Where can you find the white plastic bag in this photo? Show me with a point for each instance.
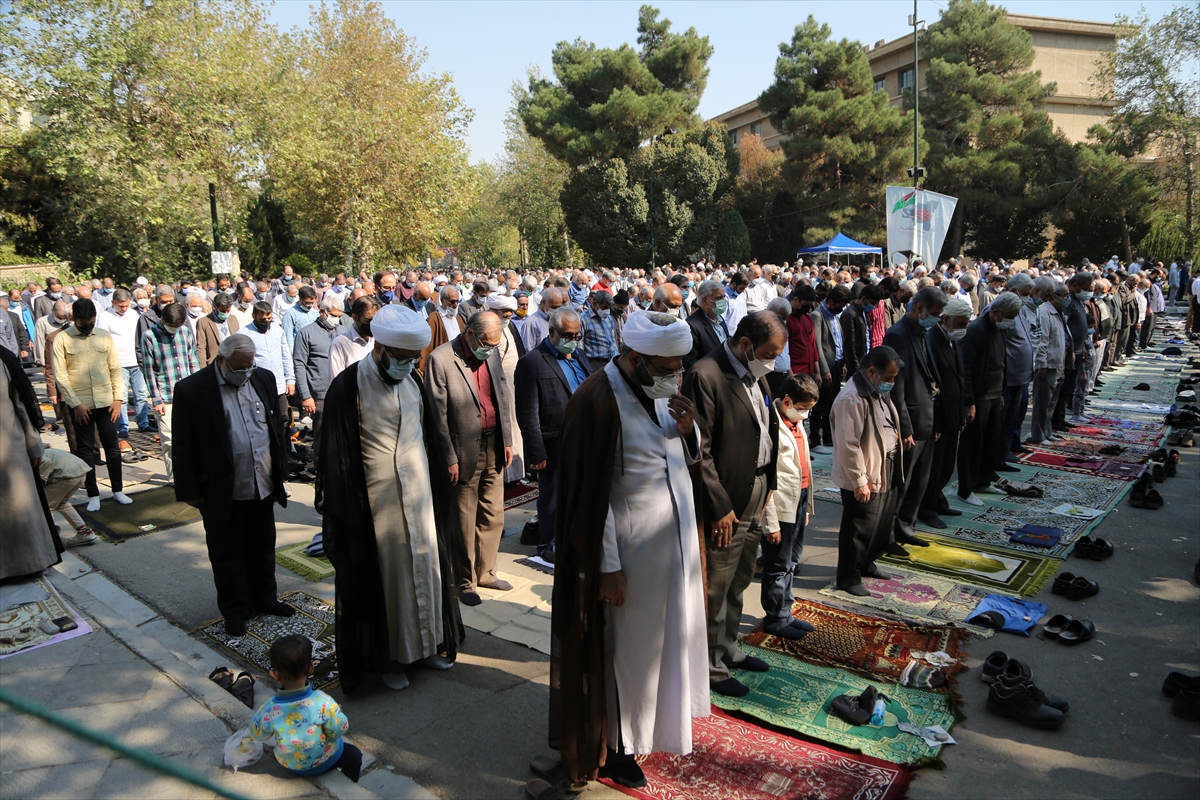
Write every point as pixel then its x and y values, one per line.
pixel 241 750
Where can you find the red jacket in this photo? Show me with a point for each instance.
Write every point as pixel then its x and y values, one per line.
pixel 802 344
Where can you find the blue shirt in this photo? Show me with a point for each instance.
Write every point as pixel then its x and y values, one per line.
pixel 599 339
pixel 295 319
pixel 571 368
pixel 836 327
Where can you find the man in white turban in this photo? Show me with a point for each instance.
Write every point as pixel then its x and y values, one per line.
pixel 387 516
pixel 511 349
pixel 628 655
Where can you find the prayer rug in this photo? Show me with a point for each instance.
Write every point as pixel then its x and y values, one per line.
pixel 1080 490
pixel 1127 424
pixel 1081 446
pixel 1085 465
pixel 314 619
pixel 875 648
pixel 519 493
pixel 734 760
pixel 919 597
pixel 20 626
pixel 152 511
pixel 1122 436
pixel 796 696
pixel 994 568
pixel 314 568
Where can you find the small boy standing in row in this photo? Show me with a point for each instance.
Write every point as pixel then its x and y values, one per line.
pixel 308 725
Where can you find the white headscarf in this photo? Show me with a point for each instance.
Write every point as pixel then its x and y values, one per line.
pixel 498 302
pixel 400 327
pixel 644 336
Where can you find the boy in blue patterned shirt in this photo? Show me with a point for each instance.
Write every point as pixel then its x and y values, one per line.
pixel 308 725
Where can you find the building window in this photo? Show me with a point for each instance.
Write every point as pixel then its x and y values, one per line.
pixel 733 137
pixel 906 79
pixel 881 84
pixel 756 128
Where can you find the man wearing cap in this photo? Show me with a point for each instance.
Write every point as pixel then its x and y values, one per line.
pixel 511 349
pixel 628 661
pixel 472 432
pixel 392 545
pixel 740 440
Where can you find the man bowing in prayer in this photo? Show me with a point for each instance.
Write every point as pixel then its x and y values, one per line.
pixel 628 663
pixel 389 524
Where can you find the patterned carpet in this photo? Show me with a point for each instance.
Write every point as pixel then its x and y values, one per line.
pixel 992 568
pixel 919 597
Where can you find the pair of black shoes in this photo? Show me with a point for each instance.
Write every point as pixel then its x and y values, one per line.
pixel 236 625
pixel 1016 696
pixel 1185 689
pixel 1075 587
pixel 1094 549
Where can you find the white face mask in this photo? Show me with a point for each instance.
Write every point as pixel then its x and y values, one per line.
pixel 795 415
pixel 957 336
pixel 760 368
pixel 143 303
pixel 663 386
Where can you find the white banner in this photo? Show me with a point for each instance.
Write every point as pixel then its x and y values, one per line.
pixel 225 262
pixel 917 222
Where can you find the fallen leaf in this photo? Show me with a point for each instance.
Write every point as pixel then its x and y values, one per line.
pixel 1133 674
pixel 1098 658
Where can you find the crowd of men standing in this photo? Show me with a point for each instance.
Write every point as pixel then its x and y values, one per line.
pixel 662 413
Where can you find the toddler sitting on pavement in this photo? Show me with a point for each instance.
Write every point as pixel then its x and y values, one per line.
pixel 308 725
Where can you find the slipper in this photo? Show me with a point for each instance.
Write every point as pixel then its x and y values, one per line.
pixel 1056 625
pixel 548 768
pixel 222 676
pixel 1154 500
pixel 1079 630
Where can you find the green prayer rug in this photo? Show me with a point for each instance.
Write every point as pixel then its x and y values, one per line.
pixel 151 511
pixel 314 568
pixel 994 568
pixel 796 695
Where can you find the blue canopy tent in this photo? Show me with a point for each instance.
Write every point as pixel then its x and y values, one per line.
pixel 843 245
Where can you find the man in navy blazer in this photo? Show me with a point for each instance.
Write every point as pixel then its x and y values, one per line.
pixel 545 379
pixel 916 386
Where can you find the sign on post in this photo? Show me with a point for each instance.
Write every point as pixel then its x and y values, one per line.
pixel 225 262
pixel 917 222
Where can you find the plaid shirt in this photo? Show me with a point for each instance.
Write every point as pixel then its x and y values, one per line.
pixel 599 339
pixel 166 360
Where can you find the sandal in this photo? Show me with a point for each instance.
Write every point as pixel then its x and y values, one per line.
pixel 1154 501
pixel 1079 630
pixel 243 689
pixel 222 676
pixel 1056 625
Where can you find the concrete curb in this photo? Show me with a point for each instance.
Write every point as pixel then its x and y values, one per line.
pixel 188 662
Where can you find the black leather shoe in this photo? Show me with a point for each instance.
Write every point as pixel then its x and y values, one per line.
pixel 235 626
pixel 1081 587
pixel 1186 705
pixel 1177 681
pixel 1017 699
pixel 1061 582
pixel 275 608
pixel 895 550
pixel 950 512
pixel 905 538
pixel 623 769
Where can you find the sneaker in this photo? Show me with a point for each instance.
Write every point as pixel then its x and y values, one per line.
pixel 823 449
pixel 82 539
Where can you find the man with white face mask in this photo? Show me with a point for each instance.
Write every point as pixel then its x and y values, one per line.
pixel 740 440
pixel 949 413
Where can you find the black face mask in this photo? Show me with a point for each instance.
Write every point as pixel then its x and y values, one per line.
pixel 86 329
pixel 263 327
pixel 363 328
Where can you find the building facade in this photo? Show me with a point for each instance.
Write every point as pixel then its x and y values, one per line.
pixel 1065 51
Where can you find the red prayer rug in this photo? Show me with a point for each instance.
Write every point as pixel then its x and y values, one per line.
pixel 734 760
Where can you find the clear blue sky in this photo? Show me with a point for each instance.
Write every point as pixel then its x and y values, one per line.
pixel 488 45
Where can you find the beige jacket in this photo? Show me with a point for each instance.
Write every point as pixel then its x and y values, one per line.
pixel 785 500
pixel 87 369
pixel 859 447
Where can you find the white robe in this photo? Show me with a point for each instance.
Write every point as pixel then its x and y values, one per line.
pixel 657 639
pixel 508 358
pixel 398 489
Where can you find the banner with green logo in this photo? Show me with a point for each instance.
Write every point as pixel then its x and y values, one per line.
pixel 917 222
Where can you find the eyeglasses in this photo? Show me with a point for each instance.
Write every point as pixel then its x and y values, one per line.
pixel 569 337
pixel 451 303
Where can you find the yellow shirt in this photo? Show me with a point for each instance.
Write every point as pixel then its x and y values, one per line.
pixel 88 369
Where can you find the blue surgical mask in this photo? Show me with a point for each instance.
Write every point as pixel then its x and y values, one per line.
pixel 419 305
pixel 928 321
pixel 388 296
pixel 884 388
pixel 400 368
pixel 1085 295
pixel 869 307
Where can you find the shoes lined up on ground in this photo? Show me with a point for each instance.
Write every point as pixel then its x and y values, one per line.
pixel 1018 698
pixel 1185 689
pixel 1075 587
pixel 1068 630
pixel 1094 549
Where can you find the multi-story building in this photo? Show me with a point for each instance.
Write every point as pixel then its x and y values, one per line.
pixel 1065 51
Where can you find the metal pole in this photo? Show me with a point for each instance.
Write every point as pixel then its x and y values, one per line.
pixel 212 207
pixel 916 102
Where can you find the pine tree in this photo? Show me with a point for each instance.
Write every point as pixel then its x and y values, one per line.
pixel 845 141
pixel 733 240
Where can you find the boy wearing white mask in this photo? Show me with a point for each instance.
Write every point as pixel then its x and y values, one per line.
pixel 788 510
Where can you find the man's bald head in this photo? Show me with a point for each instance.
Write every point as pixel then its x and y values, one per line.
pixel 552 298
pixel 667 299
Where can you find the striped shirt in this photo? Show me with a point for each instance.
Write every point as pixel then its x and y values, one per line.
pixel 166 360
pixel 599 338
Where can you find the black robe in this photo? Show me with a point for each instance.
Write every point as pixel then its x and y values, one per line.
pixel 349 536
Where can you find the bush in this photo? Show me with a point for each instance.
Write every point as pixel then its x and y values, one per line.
pixel 301 265
pixel 733 239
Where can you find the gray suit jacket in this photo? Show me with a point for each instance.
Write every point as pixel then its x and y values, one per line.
pixel 457 428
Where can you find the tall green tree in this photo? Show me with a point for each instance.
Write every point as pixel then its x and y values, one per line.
pixel 484 232
pixel 1152 75
pixel 772 217
pixel 845 141
pixel 733 239
pixel 367 148
pixel 991 144
pixel 646 177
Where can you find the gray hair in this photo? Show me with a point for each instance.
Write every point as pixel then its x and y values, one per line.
pixel 932 298
pixel 1045 286
pixel 164 290
pixel 948 286
pixel 708 287
pixel 328 302
pixel 444 292
pixel 560 315
pixel 1007 303
pixel 780 306
pixel 121 295
pixel 908 286
pixel 237 343
pixel 1018 281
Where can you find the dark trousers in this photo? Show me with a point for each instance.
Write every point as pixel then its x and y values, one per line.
pixel 241 549
pixel 818 424
pixel 85 448
pixel 779 565
pixel 1065 395
pixel 284 413
pixel 976 450
pixel 349 762
pixel 316 428
pixel 1016 405
pixel 1122 343
pixel 941 469
pixel 917 463
pixel 547 498
pixel 864 532
pixel 1147 330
